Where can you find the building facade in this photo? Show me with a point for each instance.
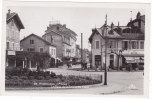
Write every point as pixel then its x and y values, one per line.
pixel 63 38
pixel 34 43
pixel 13 27
pixel 121 43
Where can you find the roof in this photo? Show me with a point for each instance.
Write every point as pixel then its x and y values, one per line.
pixel 66 43
pixel 14 16
pixel 115 35
pixel 133 36
pixel 48 43
pixel 63 29
pixel 142 18
pixel 102 31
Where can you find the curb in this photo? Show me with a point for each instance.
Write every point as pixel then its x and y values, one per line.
pixel 54 88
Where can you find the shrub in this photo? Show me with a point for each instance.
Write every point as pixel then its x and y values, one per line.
pixel 53 74
pixel 31 77
pixel 7 77
pixel 24 77
pixel 88 78
pixel 14 77
pixel 47 77
pixel 40 77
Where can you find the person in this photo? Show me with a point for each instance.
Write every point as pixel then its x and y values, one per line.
pixel 68 64
pixel 88 66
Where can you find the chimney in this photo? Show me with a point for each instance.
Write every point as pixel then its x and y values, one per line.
pixel 93 30
pixel 118 23
pixel 9 12
pixel 64 25
pixel 138 15
pixel 112 26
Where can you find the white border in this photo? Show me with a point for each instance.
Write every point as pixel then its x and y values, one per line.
pixel 78 4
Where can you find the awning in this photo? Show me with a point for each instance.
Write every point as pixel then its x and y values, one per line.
pixel 134 59
pixel 133 53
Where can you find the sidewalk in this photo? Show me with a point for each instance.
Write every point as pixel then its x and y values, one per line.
pixel 90 89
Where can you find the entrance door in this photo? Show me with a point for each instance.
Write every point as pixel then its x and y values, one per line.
pixel 111 61
pixel 97 60
pixel 126 45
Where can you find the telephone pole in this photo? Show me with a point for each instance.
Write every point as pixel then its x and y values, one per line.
pixel 81 49
pixel 105 73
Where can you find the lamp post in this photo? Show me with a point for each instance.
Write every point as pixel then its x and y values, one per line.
pixel 105 73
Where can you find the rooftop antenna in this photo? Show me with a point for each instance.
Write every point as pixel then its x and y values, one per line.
pixel 118 23
pixel 131 15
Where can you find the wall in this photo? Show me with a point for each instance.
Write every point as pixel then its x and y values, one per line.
pixel 73 47
pixel 115 49
pixel 13 36
pixel 37 44
pixel 57 41
pixel 94 50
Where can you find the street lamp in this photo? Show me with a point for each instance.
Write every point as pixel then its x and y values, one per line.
pixel 105 73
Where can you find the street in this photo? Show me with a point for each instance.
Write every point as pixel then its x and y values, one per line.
pixel 122 83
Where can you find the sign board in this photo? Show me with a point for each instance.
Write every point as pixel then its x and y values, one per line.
pixel 11 53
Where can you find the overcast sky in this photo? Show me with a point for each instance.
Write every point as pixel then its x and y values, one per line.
pixel 80 20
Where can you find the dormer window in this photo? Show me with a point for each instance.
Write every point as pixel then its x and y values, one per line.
pixel 111 32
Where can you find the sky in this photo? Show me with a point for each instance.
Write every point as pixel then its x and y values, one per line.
pixel 80 20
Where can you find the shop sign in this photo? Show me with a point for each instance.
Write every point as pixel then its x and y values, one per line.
pixel 11 53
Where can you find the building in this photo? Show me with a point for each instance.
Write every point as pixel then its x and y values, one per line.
pixel 63 38
pixel 78 53
pixel 34 43
pixel 13 27
pixel 124 43
pixel 86 55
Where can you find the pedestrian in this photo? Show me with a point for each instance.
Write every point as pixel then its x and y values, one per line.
pixel 68 64
pixel 88 66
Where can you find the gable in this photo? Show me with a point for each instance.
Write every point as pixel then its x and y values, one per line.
pixel 94 33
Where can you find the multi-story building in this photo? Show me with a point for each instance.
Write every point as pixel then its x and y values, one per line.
pixel 13 27
pixel 121 42
pixel 63 38
pixel 78 53
pixel 34 43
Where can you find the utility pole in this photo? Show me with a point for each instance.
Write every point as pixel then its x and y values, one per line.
pixel 105 73
pixel 81 49
pixel 101 54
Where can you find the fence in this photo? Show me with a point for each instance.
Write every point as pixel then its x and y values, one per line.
pixel 82 74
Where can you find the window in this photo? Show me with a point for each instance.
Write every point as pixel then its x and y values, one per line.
pixel 134 45
pixel 142 45
pixel 97 44
pixel 41 49
pixel 137 45
pixel 31 49
pixel 54 51
pixel 125 45
pixel 7 45
pixel 31 41
pixel 51 51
